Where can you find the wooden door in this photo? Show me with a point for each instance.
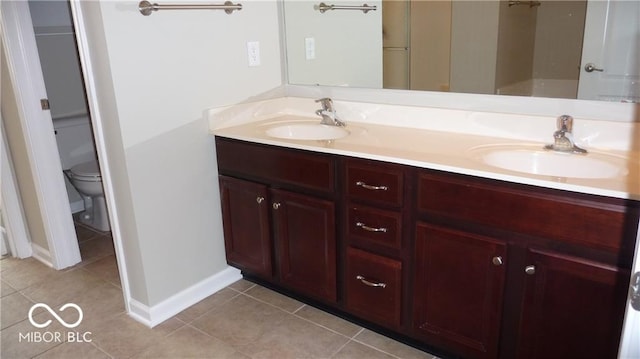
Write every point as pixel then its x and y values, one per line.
pixel 458 290
pixel 306 240
pixel 572 308
pixel 245 218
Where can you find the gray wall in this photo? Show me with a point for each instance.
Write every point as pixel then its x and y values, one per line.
pixel 155 76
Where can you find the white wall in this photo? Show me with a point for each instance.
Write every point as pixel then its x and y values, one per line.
pixel 348 44
pixel 474 41
pixel 155 76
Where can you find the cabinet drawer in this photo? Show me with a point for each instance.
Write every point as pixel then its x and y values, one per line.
pixel 374 287
pixel 380 183
pixel 275 165
pixel 593 221
pixel 374 226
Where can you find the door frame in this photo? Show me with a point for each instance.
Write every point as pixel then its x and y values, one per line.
pixel 13 219
pixel 25 72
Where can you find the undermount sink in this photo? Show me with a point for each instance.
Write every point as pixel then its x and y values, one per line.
pixel 536 160
pixel 307 131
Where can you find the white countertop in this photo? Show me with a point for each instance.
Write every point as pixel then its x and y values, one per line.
pixel 424 147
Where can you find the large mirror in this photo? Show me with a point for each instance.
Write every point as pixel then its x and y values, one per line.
pixel 550 48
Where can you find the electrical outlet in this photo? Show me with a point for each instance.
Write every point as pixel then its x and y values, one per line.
pixel 253 53
pixel 310 48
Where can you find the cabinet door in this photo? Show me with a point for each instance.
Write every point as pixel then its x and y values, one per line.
pixel 245 218
pixel 306 241
pixel 459 283
pixel 573 308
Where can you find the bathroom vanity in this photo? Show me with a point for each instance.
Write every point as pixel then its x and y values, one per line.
pixel 461 264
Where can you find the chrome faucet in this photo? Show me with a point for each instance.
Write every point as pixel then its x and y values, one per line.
pixel 563 137
pixel 328 113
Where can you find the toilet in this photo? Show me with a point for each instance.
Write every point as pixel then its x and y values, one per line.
pixel 86 179
pixel 82 171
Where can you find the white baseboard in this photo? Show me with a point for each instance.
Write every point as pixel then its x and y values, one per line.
pixel 42 254
pixel 152 316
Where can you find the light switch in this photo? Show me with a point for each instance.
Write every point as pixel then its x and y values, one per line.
pixel 310 48
pixel 253 53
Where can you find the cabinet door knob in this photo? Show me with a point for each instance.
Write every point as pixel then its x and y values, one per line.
pixel 530 270
pixel 497 261
pixel 276 205
pixel 374 188
pixel 370 284
pixel 259 199
pixel 370 229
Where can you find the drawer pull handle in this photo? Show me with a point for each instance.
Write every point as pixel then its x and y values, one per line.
pixel 371 229
pixel 374 188
pixel 370 284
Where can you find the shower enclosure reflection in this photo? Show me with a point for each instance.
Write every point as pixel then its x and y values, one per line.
pixel 497 47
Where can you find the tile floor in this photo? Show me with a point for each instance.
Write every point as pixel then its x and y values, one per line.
pixel 243 320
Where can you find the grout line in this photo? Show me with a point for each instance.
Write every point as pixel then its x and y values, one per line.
pixel 207 311
pixel 339 349
pixel 358 333
pixel 299 309
pixel 378 349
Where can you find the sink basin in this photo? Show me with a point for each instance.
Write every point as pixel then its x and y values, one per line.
pixel 307 131
pixel 535 160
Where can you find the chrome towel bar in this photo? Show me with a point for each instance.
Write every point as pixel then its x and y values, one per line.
pixel 146 8
pixel 322 7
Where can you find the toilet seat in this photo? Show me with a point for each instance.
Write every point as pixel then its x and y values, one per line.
pixel 86 171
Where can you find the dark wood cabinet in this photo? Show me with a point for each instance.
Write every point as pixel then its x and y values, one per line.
pixel 565 278
pixel 458 290
pixel 473 267
pixel 247 234
pixel 279 216
pixel 572 307
pixel 306 243
pixel 373 287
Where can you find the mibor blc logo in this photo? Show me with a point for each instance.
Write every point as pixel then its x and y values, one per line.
pixel 55 336
pixel 55 315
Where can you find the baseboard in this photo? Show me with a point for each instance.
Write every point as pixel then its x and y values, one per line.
pixel 41 254
pixel 152 316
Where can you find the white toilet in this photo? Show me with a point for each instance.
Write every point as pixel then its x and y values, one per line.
pixel 80 165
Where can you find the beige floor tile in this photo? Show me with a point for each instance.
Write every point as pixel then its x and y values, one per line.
pixel 7 263
pixel 123 337
pixel 74 350
pixel 295 338
pixel 96 248
pixel 19 341
pixel 390 346
pixel 105 268
pixel 329 321
pixel 100 303
pixel 84 234
pixel 240 321
pixel 6 289
pixel 242 285
pixel 188 342
pixel 65 288
pixel 23 273
pixel 355 350
pixel 14 309
pixel 211 302
pixel 274 298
